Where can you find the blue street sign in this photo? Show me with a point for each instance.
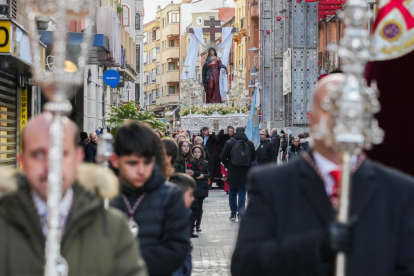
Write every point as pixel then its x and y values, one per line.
pixel 111 78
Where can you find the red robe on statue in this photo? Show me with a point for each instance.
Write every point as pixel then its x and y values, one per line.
pixel 213 86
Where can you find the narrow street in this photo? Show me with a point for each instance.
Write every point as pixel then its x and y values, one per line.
pixel 213 249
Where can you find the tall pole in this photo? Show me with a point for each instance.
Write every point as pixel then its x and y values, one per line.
pixel 352 106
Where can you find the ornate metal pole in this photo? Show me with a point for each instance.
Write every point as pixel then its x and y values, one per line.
pixel 58 87
pixel 352 106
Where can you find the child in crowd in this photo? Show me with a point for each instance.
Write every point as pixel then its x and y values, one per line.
pixel 187 186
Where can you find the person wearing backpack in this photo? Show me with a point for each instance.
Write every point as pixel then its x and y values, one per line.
pixel 237 155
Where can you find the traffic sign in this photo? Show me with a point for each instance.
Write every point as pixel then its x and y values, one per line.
pixel 111 78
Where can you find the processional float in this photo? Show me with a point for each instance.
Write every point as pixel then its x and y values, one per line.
pixel 58 87
pixel 352 106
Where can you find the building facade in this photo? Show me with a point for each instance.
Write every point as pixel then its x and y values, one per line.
pixel 20 98
pixel 161 63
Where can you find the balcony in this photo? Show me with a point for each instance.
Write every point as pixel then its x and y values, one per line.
pixel 172 76
pixel 172 29
pixel 171 53
pixel 169 99
pixel 253 11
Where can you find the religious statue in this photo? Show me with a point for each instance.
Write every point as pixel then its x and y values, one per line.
pixel 211 76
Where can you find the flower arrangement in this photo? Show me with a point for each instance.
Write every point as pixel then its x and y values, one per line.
pixel 209 110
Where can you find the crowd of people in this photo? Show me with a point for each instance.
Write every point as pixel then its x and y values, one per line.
pixel 157 186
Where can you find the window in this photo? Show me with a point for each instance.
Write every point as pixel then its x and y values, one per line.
pixel 158 68
pixel 154 75
pixel 163 68
pixel 171 90
pixel 137 93
pixel 145 37
pixel 154 53
pixel 154 96
pixel 173 17
pixel 162 91
pixel 171 43
pixel 137 21
pixel 154 35
pixel 163 22
pixel 125 15
pixel 145 58
pixel 171 66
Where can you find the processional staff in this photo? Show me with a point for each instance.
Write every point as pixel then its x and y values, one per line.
pixel 352 106
pixel 58 86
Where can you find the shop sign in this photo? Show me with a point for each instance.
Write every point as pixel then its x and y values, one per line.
pixel 111 78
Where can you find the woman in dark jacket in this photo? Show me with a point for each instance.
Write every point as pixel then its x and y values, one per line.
pixel 184 157
pixel 201 175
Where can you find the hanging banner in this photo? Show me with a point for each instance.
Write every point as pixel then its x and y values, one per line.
pixel 287 72
pixel 393 30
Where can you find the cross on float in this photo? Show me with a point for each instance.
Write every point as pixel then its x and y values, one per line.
pixel 212 23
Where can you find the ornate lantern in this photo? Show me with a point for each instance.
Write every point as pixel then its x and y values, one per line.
pixel 57 86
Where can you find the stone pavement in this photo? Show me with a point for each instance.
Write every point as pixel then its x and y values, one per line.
pixel 213 249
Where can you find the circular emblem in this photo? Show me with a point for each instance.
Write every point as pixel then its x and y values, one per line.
pixel 391 31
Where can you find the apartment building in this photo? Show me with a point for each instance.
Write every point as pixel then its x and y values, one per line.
pixel 240 37
pixel 161 62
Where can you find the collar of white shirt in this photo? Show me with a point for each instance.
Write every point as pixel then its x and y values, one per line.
pixel 41 207
pixel 326 166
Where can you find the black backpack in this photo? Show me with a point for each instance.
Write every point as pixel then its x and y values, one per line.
pixel 240 154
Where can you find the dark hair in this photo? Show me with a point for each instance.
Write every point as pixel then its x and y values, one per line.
pixel 230 127
pixel 336 71
pixel 215 52
pixel 240 130
pixel 159 133
pixel 183 181
pixel 202 152
pixel 180 152
pixel 171 148
pixel 306 134
pixel 140 139
pixel 83 135
pixel 282 132
pixel 205 128
pixel 301 136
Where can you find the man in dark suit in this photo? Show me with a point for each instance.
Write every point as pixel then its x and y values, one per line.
pixel 274 144
pixel 290 228
pixel 210 140
pixel 91 148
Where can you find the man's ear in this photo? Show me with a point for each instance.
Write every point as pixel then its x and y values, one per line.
pixel 114 161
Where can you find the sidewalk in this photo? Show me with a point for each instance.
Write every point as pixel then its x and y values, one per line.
pixel 213 249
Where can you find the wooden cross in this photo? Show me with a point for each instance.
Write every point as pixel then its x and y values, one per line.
pixel 213 29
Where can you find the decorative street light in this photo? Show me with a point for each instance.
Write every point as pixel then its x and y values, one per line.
pixel 238 96
pixel 191 92
pixel 57 85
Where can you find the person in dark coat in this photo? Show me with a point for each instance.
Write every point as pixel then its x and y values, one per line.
pixel 274 145
pixel 237 174
pixel 290 226
pixel 303 142
pixel 201 175
pixel 91 148
pixel 156 206
pixel 83 140
pixel 210 140
pixel 294 150
pixel 184 157
pixel 95 240
pixel 264 151
pixel 198 141
pixel 171 149
pixel 223 137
